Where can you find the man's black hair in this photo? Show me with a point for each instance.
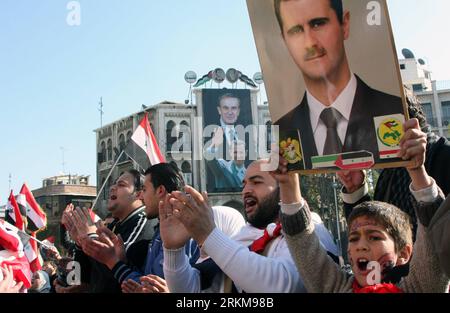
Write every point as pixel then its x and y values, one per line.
pixel 167 175
pixel 138 179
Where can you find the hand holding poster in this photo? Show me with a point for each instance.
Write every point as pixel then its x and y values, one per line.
pixel 333 81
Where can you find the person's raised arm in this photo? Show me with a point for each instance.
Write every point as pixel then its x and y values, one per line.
pixel 317 270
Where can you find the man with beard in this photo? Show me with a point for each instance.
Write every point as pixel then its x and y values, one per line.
pixel 256 259
pixel 132 230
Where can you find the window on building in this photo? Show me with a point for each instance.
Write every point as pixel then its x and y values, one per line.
pixel 186 167
pixel 417 87
pixel 102 154
pixel 428 110
pixel 121 142
pixel 185 135
pixel 269 135
pixel 187 172
pixel 109 149
pixel 122 145
pixel 402 66
pixel 446 110
pixel 169 139
pixel 129 134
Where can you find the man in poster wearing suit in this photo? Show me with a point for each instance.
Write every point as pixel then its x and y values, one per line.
pixel 336 113
pixel 227 167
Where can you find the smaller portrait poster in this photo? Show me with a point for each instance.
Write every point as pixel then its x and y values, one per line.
pixel 226 115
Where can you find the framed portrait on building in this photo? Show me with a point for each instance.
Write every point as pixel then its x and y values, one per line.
pixel 333 82
pixel 227 113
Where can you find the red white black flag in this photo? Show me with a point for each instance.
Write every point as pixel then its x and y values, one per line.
pixel 9 239
pixel 19 265
pixel 33 255
pixel 143 147
pixel 36 217
pixel 14 215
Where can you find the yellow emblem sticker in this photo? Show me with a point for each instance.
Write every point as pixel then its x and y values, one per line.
pixel 390 132
pixel 290 149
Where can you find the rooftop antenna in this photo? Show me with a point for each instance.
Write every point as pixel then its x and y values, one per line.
pixel 63 160
pixel 9 179
pixel 100 109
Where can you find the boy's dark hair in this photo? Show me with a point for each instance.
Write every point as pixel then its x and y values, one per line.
pixel 396 222
pixel 336 5
pixel 166 175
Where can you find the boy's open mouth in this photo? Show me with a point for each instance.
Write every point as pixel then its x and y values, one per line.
pixel 362 264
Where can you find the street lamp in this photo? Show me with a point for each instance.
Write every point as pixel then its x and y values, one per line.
pixel 338 228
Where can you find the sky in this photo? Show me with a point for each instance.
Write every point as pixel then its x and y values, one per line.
pixel 130 53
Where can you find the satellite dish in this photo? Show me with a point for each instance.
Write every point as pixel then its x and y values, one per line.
pixel 258 78
pixel 408 54
pixel 232 75
pixel 219 75
pixel 190 77
pixel 421 62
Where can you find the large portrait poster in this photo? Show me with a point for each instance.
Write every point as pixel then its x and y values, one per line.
pixel 333 81
pixel 226 115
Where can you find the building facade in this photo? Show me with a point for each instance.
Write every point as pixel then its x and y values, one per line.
pixel 434 95
pixel 171 122
pixel 56 193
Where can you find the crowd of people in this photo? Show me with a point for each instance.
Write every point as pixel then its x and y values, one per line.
pixel 164 236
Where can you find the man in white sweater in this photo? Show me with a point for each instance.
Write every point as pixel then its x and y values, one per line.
pixel 266 267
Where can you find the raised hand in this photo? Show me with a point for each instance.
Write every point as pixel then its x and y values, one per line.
pixel 7 283
pixel 217 138
pixel 69 208
pixel 194 211
pixel 107 236
pixel 413 147
pixel 153 284
pixel 352 180
pixel 289 183
pixel 71 227
pixel 83 222
pixel 130 286
pixel 413 144
pixel 102 251
pixel 173 233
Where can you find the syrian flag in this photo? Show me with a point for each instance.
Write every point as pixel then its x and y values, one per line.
pixel 36 217
pixel 344 161
pixel 9 239
pixel 13 213
pixel 143 148
pixel 32 254
pixel 19 265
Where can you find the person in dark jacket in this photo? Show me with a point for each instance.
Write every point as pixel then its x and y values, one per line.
pixel 130 224
pixel 393 183
pixel 160 180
